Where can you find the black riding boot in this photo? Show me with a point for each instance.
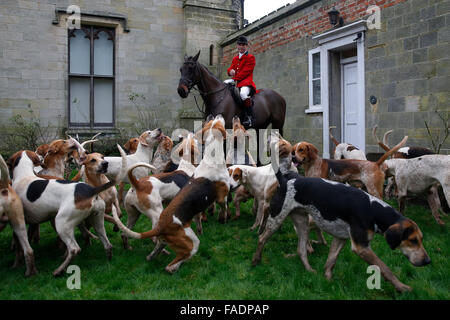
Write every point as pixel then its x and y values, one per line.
pixel 248 113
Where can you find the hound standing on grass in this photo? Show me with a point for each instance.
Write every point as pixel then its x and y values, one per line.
pixel 11 206
pixel 68 202
pixel 211 184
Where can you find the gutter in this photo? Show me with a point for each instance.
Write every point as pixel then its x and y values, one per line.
pixel 267 20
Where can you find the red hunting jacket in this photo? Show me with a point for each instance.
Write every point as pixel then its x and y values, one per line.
pixel 244 70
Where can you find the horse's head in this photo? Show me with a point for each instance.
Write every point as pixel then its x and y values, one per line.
pixel 189 75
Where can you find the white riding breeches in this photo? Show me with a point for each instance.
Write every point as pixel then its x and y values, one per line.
pixel 244 92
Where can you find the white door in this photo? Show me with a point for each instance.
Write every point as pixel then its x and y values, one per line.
pixel 350 109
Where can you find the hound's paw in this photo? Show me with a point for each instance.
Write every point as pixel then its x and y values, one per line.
pixel 403 288
pixel 256 261
pixel 30 273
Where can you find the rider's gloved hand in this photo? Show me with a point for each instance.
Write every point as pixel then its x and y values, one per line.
pixel 228 81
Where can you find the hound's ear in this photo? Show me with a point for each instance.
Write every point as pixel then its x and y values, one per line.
pixel 34 157
pixel 142 139
pixel 223 132
pixel 209 118
pixel 312 151
pixel 53 149
pixel 127 147
pixel 394 235
pixel 244 175
pixel 196 56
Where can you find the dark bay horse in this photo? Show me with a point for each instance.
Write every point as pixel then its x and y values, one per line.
pixel 269 107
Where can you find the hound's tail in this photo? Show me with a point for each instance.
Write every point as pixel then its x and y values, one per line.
pixel 130 233
pixel 383 144
pixel 392 151
pixel 132 178
pixel 385 137
pixel 4 179
pixel 119 176
pixel 333 138
pixel 276 168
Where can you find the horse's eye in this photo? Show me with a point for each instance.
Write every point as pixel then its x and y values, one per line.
pixel 301 150
pixel 93 160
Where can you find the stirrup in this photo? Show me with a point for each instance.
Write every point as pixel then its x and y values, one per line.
pixel 247 122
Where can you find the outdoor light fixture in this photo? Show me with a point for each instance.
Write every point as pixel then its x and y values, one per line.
pixel 335 19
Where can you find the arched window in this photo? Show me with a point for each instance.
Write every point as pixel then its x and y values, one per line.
pixel 211 55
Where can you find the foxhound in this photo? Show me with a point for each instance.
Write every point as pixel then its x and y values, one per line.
pixel 237 154
pixel 92 171
pixel 148 194
pixel 11 207
pixel 347 170
pixel 67 202
pixel 144 153
pixel 345 150
pixel 162 154
pixel 55 159
pixel 421 175
pixel 345 213
pixel 210 183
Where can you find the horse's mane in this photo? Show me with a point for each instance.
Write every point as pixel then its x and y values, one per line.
pixel 191 59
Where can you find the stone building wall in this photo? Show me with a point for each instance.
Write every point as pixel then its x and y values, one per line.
pixel 34 54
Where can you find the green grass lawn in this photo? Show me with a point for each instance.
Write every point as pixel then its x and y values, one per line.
pixel 222 267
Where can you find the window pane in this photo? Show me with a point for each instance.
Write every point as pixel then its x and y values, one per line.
pixel 79 53
pixel 103 101
pixel 103 54
pixel 316 65
pixel 79 100
pixel 316 92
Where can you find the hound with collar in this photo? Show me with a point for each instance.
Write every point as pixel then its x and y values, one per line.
pixel 421 175
pixel 346 213
pixel 11 207
pixel 200 192
pixel 345 150
pixel 371 174
pixel 67 202
pixel 147 195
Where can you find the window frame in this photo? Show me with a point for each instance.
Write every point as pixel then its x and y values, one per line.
pixel 314 108
pixel 92 77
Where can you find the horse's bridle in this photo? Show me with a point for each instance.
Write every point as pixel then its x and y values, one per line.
pixel 191 84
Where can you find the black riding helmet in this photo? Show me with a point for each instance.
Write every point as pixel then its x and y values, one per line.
pixel 242 40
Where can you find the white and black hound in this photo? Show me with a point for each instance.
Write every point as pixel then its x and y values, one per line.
pixel 346 213
pixel 67 202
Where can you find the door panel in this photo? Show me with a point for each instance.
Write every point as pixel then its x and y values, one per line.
pixel 351 125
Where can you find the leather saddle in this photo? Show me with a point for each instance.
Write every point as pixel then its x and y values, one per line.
pixel 234 90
